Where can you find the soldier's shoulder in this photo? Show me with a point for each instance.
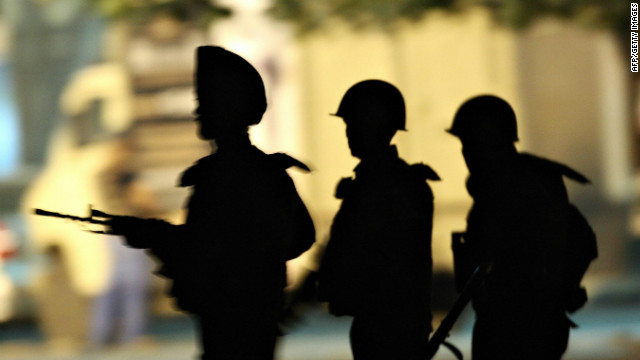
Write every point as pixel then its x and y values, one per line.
pixel 422 172
pixel 344 187
pixel 416 184
pixel 272 172
pixel 195 172
pixel 545 166
pixel 282 161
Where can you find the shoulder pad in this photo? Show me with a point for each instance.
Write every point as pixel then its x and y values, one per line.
pixel 284 161
pixel 191 175
pixel 424 172
pixel 557 167
pixel 344 188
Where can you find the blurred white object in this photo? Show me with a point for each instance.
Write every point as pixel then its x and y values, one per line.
pixel 74 174
pixel 84 157
pixel 108 82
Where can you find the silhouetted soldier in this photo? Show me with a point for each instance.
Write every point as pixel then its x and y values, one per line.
pixel 245 219
pixel 377 266
pixel 522 223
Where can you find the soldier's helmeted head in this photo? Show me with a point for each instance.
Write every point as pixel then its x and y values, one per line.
pixel 486 125
pixel 486 117
pixel 230 92
pixel 373 111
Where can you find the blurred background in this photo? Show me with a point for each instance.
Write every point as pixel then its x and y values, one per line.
pixel 96 106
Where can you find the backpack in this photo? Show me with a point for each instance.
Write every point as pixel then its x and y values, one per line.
pixel 581 246
pixel 580 251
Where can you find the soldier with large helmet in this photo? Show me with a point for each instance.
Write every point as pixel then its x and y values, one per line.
pixel 537 245
pixel 244 221
pixel 377 265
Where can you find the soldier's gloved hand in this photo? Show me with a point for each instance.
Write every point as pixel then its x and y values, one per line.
pixel 139 233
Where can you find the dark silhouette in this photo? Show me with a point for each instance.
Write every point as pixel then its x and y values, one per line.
pixel 538 246
pixel 377 265
pixel 245 219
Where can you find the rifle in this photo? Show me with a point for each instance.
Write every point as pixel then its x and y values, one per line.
pixel 96 217
pixel 440 335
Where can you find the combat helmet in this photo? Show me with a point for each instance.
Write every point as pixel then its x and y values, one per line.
pixel 485 116
pixel 376 101
pixel 231 81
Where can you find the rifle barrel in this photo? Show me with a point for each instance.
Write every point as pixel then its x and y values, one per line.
pixel 447 323
pixel 90 220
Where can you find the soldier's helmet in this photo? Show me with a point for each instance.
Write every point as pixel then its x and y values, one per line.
pixel 228 80
pixel 374 101
pixel 485 117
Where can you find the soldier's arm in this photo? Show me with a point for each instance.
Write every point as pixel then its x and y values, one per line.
pixel 144 233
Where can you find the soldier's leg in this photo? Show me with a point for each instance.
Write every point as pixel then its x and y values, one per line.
pixel 362 337
pixel 549 332
pixel 483 343
pixel 389 336
pixel 406 328
pixel 527 332
pixel 497 334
